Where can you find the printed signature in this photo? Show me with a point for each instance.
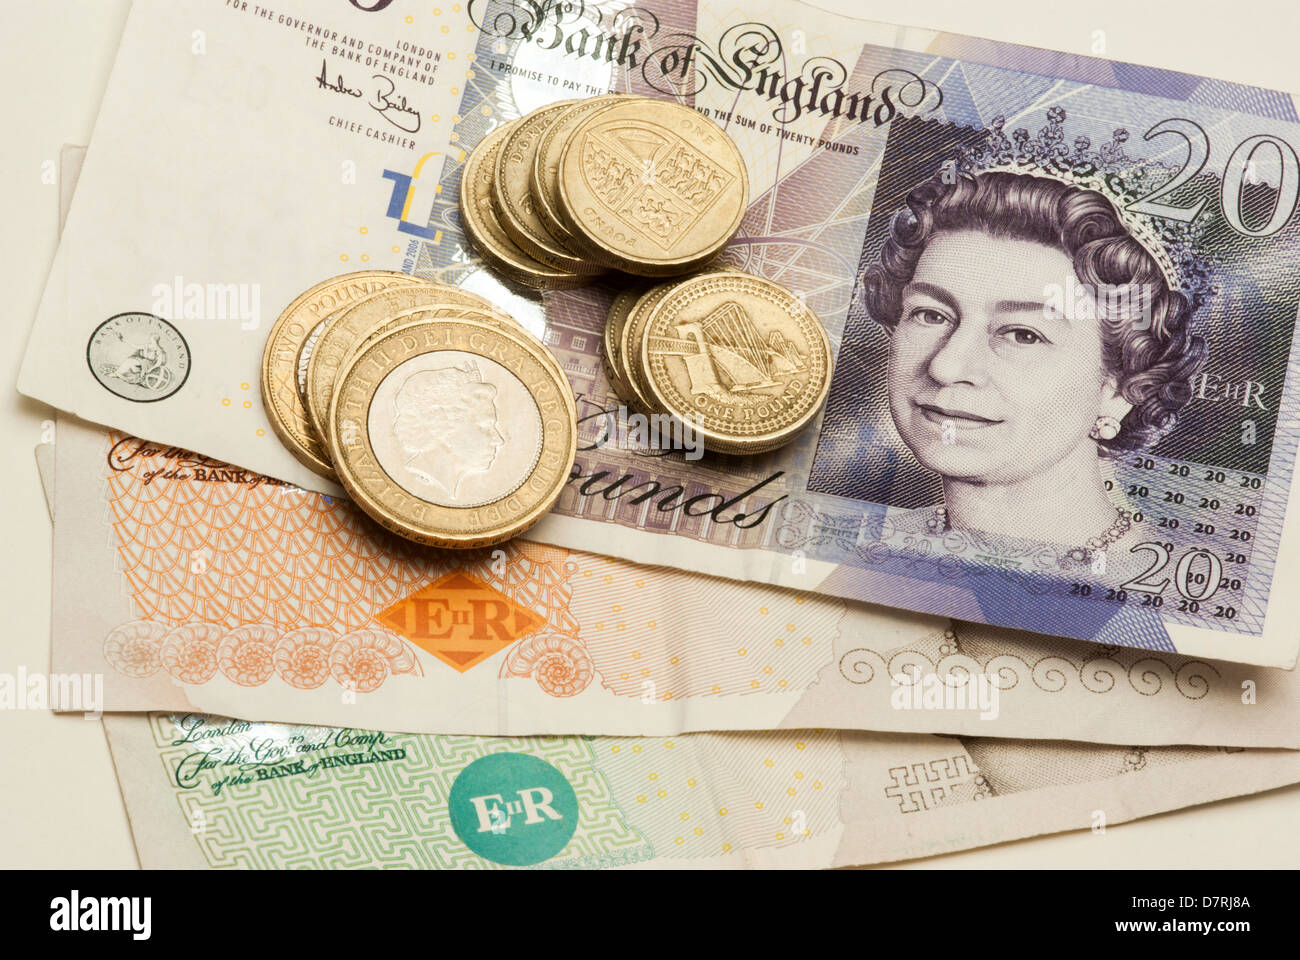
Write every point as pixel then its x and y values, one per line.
pixel 386 101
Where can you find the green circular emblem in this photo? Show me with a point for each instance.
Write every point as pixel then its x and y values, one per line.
pixel 513 808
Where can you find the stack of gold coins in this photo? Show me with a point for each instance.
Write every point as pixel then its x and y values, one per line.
pixel 738 358
pixel 576 188
pixel 444 419
pixel 655 189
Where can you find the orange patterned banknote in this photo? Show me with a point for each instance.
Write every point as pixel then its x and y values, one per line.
pixel 191 585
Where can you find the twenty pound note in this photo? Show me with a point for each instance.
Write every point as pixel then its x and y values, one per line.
pixel 1063 302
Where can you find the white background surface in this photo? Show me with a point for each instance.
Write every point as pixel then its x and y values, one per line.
pixel 59 803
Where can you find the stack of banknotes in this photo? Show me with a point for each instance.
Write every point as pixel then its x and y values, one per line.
pixel 1031 569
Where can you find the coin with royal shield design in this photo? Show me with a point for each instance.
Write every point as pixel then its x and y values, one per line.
pixel 481 220
pixel 545 181
pixel 512 193
pixel 652 187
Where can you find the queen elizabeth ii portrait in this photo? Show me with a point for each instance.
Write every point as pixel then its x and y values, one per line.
pixel 448 428
pixel 1012 393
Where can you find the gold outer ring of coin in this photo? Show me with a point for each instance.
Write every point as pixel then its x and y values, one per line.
pixel 480 219
pixel 368 479
pixel 545 181
pixel 630 351
pixel 513 197
pixel 634 328
pixel 612 343
pixel 601 230
pixel 772 425
pixel 346 329
pixel 280 396
pixel 442 312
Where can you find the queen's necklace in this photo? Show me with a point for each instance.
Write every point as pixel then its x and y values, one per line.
pixel 938 524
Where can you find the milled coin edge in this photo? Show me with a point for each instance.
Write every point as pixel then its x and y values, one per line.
pixel 318 464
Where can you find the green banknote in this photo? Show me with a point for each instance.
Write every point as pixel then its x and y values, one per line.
pixel 214 792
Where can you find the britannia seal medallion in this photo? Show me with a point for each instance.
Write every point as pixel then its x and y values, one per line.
pixel 139 357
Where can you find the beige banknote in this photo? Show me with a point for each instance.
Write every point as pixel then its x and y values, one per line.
pixel 190 585
pixel 209 792
pixel 276 128
pixel 71 158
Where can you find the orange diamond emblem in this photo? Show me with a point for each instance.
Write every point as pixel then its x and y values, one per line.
pixel 460 620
